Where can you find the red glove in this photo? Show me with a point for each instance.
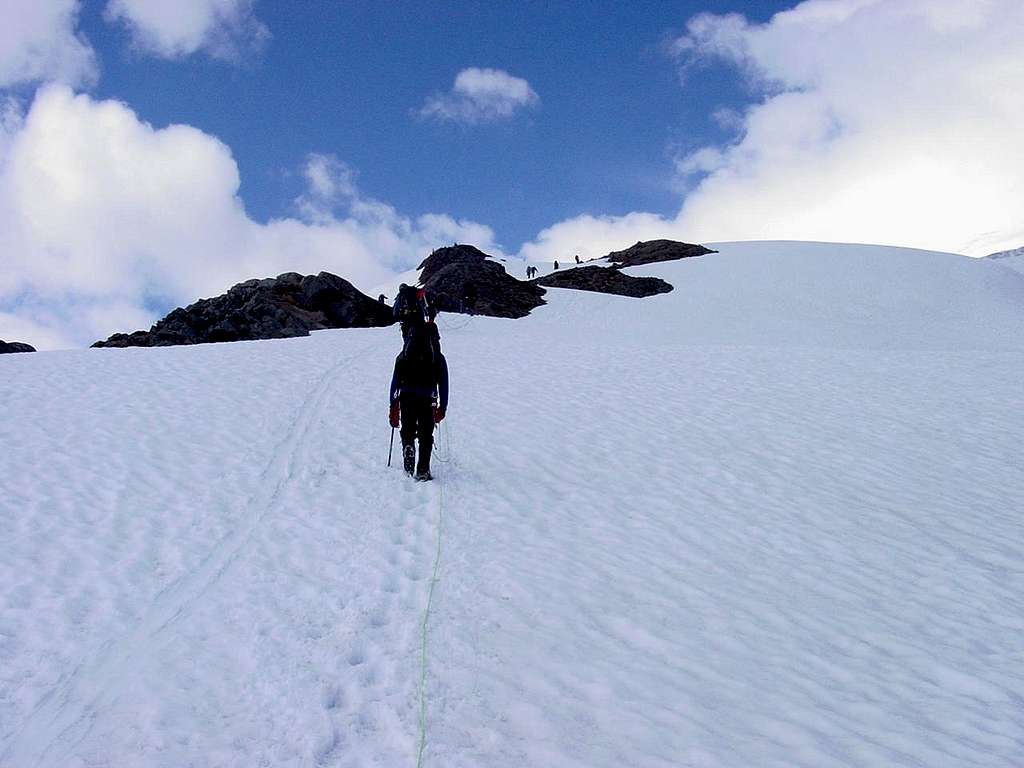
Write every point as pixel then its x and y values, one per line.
pixel 438 414
pixel 393 414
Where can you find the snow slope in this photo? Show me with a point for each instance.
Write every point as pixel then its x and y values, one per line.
pixel 772 518
pixel 1013 259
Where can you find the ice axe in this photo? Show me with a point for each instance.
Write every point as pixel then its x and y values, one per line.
pixel 392 446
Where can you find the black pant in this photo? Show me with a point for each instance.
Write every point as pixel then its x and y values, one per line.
pixel 417 414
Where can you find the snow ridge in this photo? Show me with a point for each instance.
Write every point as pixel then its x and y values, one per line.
pixel 1013 259
pixel 1007 254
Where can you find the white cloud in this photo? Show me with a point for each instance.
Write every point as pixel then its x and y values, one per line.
pixel 481 95
pixel 332 199
pixel 36 326
pixel 328 179
pixel 594 236
pixel 222 28
pixel 38 42
pixel 101 216
pixel 885 121
pixel 893 121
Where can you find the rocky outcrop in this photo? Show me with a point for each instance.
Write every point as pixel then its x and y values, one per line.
pixel 275 308
pixel 449 272
pixel 605 280
pixel 654 251
pixel 293 305
pixel 7 347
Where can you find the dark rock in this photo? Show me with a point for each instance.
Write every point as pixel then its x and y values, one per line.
pixel 273 308
pixel 448 272
pixel 656 250
pixel 7 347
pixel 605 280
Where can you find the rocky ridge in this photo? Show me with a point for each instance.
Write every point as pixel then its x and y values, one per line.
pixel 457 278
pixel 9 347
pixel 653 251
pixel 605 280
pixel 287 306
pixel 448 272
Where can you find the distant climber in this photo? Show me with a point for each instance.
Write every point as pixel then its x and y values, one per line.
pixel 382 299
pixel 556 265
pixel 419 397
pixel 578 259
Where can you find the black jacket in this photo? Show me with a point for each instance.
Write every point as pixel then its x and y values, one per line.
pixel 421 377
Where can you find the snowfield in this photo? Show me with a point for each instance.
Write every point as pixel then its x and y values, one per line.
pixel 1013 259
pixel 773 518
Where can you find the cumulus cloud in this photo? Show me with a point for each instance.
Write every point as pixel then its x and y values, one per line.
pixel 481 95
pixel 885 121
pixel 38 42
pixel 332 199
pixel 106 222
pixel 894 121
pixel 594 236
pixel 223 28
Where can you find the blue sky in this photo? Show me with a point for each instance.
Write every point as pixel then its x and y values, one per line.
pixel 152 153
pixel 346 78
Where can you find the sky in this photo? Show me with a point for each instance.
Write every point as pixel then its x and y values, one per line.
pixel 154 153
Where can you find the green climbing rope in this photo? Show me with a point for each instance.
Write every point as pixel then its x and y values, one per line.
pixel 423 634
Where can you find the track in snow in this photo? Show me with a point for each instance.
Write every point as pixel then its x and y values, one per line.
pixel 65 716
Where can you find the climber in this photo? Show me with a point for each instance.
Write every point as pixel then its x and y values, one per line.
pixel 419 397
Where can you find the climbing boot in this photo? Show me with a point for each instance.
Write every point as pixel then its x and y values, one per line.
pixel 423 467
